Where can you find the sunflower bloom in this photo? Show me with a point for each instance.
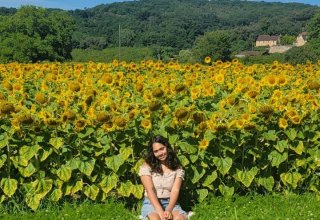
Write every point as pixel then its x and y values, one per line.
pixel 146 124
pixel 40 98
pixel 181 113
pixel 203 144
pixel 283 123
pixel 207 59
pixel 296 119
pixel 80 124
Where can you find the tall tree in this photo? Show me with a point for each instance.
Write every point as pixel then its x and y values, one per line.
pixel 216 44
pixel 35 34
pixel 314 29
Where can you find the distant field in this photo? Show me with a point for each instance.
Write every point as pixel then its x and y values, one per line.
pixel 109 54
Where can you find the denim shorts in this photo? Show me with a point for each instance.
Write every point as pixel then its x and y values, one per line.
pixel 147 207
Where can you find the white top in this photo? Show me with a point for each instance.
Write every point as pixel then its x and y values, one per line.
pixel 162 183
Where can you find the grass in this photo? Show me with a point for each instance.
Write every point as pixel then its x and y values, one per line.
pixel 287 207
pixel 110 210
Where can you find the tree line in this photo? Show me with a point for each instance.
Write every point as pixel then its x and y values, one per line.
pixel 169 28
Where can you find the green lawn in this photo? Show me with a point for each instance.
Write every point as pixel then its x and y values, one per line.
pixel 289 207
pixel 260 207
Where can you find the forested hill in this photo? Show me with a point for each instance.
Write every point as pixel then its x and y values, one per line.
pixel 177 23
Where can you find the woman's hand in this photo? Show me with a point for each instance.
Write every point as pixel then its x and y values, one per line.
pixel 168 215
pixel 161 213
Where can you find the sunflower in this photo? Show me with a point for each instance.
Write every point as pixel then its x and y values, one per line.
pixel 154 105
pixel 291 113
pixel 120 122
pixel 25 119
pixel 203 144
pixel 7 85
pixel 17 87
pixel 282 80
pixel 68 115
pixel 115 63
pixel 271 80
pixel 80 124
pixel 296 119
pixel 198 116
pixel 133 113
pixel 146 123
pixel 239 123
pixel 219 78
pixel 157 92
pixel 103 117
pixel 313 85
pixel 207 59
pixel 179 87
pixel 108 126
pixel 2 96
pixel 252 94
pixel 282 123
pixel 203 126
pixel 181 113
pixel 146 112
pixel 195 92
pixel 15 124
pixel 40 98
pixel 209 91
pixel 74 86
pixel 235 61
pixel 266 109
pixel 6 108
pixel 106 79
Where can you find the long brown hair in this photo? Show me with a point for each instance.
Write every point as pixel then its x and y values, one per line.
pixel 172 160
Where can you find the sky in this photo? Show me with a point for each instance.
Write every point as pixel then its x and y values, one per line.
pixel 81 4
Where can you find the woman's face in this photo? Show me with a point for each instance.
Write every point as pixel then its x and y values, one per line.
pixel 160 151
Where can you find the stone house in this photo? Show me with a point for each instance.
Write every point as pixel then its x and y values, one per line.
pixel 301 39
pixel 267 41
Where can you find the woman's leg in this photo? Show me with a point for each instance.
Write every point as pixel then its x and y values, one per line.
pixel 177 216
pixel 154 216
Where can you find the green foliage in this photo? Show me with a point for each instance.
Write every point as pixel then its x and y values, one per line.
pixel 174 23
pixel 288 39
pixel 301 55
pixel 185 56
pixel 215 44
pixel 109 54
pixel 36 34
pixel 314 29
pixel 266 59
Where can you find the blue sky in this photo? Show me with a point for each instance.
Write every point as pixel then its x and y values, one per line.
pixel 81 4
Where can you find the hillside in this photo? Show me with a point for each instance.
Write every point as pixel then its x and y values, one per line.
pixel 177 23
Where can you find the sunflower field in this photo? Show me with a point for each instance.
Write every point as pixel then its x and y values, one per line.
pixel 81 129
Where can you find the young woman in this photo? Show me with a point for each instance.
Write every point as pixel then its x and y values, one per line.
pixel 161 176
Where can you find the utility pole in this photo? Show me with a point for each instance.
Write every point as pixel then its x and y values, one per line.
pixel 119 54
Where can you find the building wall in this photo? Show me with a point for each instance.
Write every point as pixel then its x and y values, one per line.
pixel 265 43
pixel 300 41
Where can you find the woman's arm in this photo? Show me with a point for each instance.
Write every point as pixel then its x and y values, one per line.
pixel 151 192
pixel 174 194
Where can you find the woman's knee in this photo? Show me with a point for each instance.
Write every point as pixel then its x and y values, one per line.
pixel 177 216
pixel 154 216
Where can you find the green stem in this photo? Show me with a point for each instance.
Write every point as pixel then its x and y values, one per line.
pixel 8 161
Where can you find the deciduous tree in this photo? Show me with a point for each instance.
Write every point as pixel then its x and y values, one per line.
pixel 36 34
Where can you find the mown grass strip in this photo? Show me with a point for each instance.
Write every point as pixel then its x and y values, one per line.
pixel 69 211
pixel 259 207
pixel 266 207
